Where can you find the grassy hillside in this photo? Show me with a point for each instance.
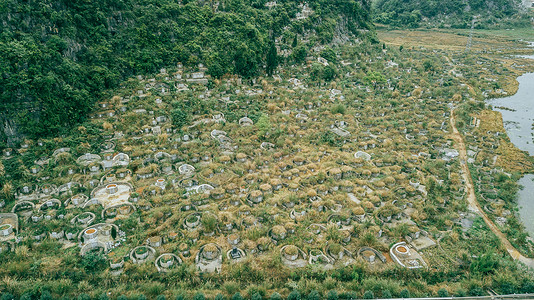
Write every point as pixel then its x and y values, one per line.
pixel 58 57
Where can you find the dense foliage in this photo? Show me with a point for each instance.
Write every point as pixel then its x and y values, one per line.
pixel 455 13
pixel 57 57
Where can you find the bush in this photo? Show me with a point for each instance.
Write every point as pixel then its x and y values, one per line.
pixel 7 296
pixel 368 295
pixel 276 296
pixel 405 293
pixel 103 296
pixel 338 109
pixel 45 295
pixel 443 293
pixel 179 118
pixel 332 295
pixel 199 296
pixel 237 296
pixel 294 295
pixel 160 297
pixel 386 294
pixel 476 291
pixel 256 296
pixel 93 261
pixel 460 293
pixel 83 297
pixel 26 296
pixel 314 295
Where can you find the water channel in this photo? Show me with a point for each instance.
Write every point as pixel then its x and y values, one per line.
pixel 518 117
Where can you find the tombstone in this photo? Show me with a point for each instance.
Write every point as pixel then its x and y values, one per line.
pixel 235 254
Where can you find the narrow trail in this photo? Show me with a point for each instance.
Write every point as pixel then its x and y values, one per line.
pixel 472 200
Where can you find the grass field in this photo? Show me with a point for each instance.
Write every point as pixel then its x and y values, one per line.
pixel 457 39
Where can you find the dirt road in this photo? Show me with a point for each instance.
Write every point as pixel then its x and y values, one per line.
pixel 472 200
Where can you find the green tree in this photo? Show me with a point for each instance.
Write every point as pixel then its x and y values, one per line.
pixel 272 58
pixel 93 261
pixel 299 54
pixel 484 264
pixel 329 73
pixel 179 118
pixel 263 125
pixel 329 54
pixel 374 78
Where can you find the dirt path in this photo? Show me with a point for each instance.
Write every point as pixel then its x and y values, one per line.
pixel 472 200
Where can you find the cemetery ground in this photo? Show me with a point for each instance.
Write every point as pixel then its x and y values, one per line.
pixel 343 173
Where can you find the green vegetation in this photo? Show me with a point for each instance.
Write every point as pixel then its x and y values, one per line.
pixel 451 13
pixel 57 58
pixel 325 158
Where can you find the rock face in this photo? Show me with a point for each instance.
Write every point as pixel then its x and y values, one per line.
pixel 9 131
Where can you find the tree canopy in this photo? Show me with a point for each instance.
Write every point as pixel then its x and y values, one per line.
pixel 57 57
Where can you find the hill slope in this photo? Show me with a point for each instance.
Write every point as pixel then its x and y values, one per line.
pixel 57 56
pixel 455 13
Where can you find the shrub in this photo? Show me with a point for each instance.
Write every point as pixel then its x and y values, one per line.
pixel 460 293
pixel 294 295
pixel 405 293
pixel 276 296
pixel 443 293
pixel 199 296
pixel 45 295
pixel 83 297
pixel 7 296
pixel 314 295
pixel 103 296
pixel 26 296
pixel 256 296
pixel 386 294
pixel 338 109
pixel 476 291
pixel 368 295
pixel 237 296
pixel 332 295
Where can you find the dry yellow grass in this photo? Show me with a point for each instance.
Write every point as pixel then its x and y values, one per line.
pixel 512 159
pixel 489 121
pixel 438 40
pixel 509 157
